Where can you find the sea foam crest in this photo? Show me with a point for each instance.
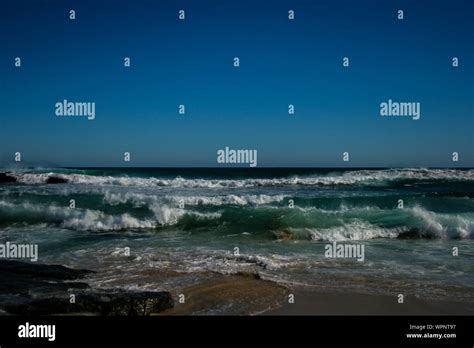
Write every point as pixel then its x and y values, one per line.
pixel 141 199
pixel 94 220
pixel 378 177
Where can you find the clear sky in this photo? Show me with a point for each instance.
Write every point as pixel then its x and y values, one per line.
pixel 282 62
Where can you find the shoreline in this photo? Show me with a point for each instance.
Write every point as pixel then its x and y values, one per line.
pixel 44 289
pixel 323 303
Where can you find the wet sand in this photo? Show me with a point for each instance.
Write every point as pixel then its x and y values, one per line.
pixel 242 294
pixel 247 294
pixel 311 302
pixel 211 293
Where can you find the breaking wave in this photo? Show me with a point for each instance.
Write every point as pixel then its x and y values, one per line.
pixel 356 177
pixel 94 220
pixel 359 223
pixel 140 199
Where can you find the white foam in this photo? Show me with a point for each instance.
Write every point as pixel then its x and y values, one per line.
pixel 345 178
pixel 94 220
pixel 357 230
pixel 140 199
pixel 447 226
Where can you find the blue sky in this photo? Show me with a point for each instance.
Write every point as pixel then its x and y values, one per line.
pixel 282 62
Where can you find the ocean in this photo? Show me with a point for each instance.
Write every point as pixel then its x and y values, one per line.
pixel 274 222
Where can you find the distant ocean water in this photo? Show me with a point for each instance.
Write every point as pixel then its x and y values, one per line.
pixel 406 250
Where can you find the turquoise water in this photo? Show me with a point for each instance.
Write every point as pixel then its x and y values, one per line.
pixel 190 220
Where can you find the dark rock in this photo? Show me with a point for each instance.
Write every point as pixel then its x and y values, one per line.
pixel 36 289
pixel 252 275
pixel 99 303
pixel 56 180
pixel 45 306
pixel 38 270
pixel 416 233
pixel 124 303
pixel 5 178
pixel 283 235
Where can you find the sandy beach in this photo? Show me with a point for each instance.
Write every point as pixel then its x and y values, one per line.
pixel 309 302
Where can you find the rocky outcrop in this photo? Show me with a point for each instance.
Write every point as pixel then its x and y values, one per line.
pixel 94 303
pixel 56 180
pixel 36 289
pixel 6 178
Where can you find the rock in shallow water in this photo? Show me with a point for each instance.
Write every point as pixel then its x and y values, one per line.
pixel 5 178
pixel 56 180
pixel 36 289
